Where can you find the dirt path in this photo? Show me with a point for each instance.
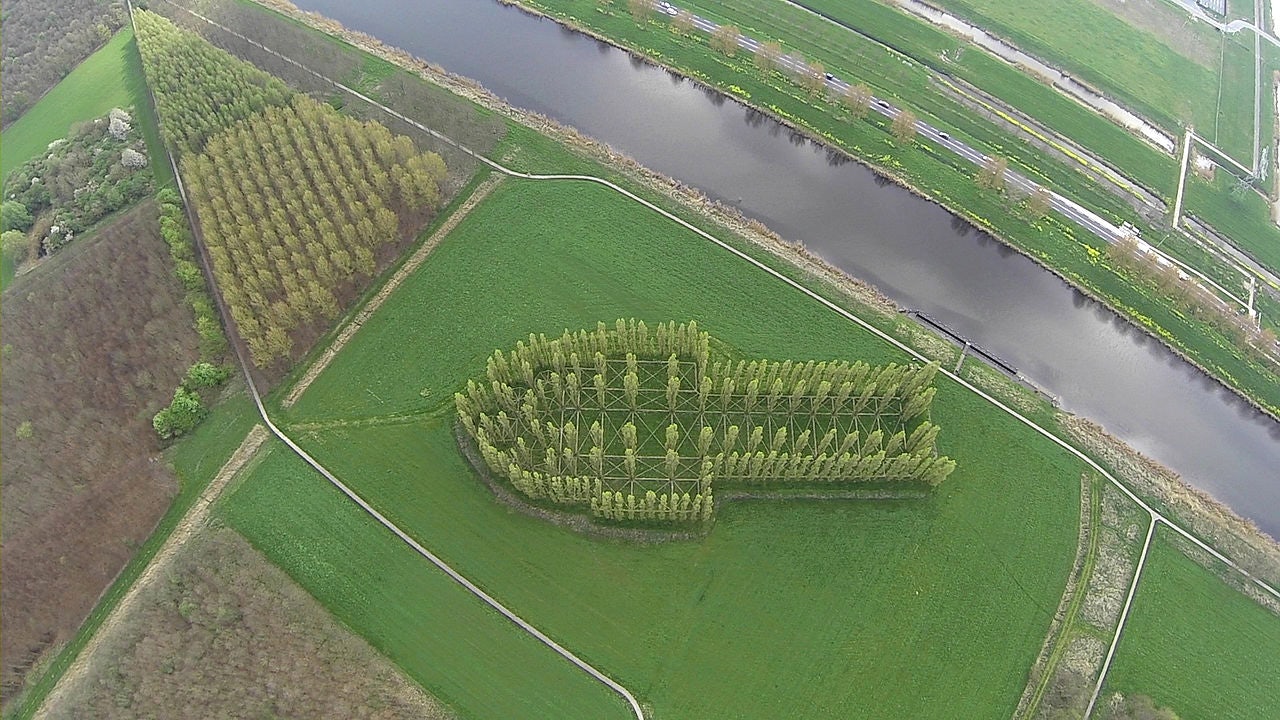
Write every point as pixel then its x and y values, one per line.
pixel 187 526
pixel 1124 615
pixel 412 264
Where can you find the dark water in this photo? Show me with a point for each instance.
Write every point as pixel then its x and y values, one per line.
pixel 915 252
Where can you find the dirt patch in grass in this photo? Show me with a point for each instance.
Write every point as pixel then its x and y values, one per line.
pixel 93 345
pixel 222 632
pixel 1173 26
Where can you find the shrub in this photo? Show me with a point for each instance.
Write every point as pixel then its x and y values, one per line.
pixel 15 246
pixel 205 375
pixel 181 417
pixel 14 216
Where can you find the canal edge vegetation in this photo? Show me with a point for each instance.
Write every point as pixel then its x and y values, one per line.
pixel 1084 264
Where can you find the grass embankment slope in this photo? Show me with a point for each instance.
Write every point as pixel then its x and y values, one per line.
pixel 910 608
pixel 1073 253
pixel 1195 644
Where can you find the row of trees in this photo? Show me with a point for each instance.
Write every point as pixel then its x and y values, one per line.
pixel 198 88
pixel 642 423
pixel 295 203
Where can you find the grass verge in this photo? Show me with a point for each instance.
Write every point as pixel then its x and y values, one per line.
pixel 1195 644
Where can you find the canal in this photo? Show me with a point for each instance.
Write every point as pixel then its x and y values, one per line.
pixel 912 250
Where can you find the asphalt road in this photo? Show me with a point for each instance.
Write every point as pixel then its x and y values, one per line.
pixel 1058 203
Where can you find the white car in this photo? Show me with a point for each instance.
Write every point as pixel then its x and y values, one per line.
pixel 668 8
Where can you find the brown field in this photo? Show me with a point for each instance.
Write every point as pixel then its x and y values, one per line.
pixel 94 342
pixel 224 633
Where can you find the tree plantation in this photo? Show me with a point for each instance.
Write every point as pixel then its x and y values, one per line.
pixel 295 199
pixel 198 88
pixel 638 424
pixel 294 205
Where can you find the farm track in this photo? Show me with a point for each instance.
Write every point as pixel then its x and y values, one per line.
pixel 190 523
pixel 408 268
pixel 1077 589
pixel 1155 516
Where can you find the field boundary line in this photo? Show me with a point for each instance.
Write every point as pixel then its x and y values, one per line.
pixel 408 268
pixel 1124 615
pixel 1156 516
pixel 194 518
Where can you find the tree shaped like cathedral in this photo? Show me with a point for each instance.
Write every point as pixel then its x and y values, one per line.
pixel 639 424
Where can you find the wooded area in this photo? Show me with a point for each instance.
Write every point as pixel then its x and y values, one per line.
pixel 44 40
pixel 223 633
pixel 198 89
pixel 296 205
pixel 299 205
pixel 92 347
pixel 638 424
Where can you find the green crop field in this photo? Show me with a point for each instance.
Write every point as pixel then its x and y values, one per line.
pixel 1242 215
pixel 1195 644
pixel 903 608
pixel 1143 71
pixel 111 77
pixel 1233 125
pixel 466 654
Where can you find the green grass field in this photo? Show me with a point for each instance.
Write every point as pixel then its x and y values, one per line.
pixel 908 608
pixel 1196 645
pixel 1126 62
pixel 473 658
pixel 1244 216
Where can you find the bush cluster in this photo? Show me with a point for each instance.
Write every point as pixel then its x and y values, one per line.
pixel 80 180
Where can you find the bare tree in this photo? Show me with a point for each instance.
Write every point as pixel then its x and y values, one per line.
pixel 767 56
pixel 814 79
pixel 904 126
pixel 991 176
pixel 858 99
pixel 1039 203
pixel 640 9
pixel 682 23
pixel 725 39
